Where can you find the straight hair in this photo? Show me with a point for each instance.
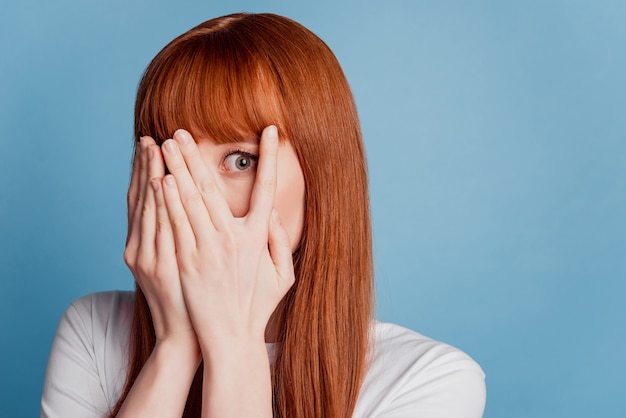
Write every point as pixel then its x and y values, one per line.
pixel 227 79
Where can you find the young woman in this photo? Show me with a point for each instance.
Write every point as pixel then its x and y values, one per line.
pixel 249 239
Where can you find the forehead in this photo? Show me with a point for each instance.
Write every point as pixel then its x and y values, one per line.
pixel 248 139
pixel 206 141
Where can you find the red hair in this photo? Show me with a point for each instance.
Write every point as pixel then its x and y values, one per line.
pixel 227 79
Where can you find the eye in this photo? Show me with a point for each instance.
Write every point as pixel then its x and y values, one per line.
pixel 240 161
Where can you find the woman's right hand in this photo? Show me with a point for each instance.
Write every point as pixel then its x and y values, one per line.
pixel 162 387
pixel 150 251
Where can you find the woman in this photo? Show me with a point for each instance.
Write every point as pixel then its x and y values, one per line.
pixel 249 239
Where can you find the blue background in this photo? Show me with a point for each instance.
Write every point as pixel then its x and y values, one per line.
pixel 496 138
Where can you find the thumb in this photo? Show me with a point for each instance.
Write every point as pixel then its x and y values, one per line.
pixel 280 250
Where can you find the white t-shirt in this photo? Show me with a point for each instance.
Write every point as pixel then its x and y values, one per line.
pixel 409 375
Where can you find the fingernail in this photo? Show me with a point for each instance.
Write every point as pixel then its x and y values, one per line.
pixel 143 142
pixel 170 147
pixel 272 131
pixel 182 136
pixel 150 153
pixel 169 180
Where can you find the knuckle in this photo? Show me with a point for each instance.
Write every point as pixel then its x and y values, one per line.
pixel 207 187
pixel 284 243
pixel 179 219
pixel 130 257
pixel 138 199
pixel 194 199
pixel 133 199
pixel 147 207
pixel 175 164
pixel 162 226
pixel 268 184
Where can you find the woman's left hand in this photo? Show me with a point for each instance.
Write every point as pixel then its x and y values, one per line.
pixel 234 271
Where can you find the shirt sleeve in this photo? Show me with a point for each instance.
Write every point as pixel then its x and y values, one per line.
pixel 452 386
pixel 72 385
pixel 410 375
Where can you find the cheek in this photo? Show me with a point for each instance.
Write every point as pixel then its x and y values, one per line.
pixel 237 194
pixel 289 200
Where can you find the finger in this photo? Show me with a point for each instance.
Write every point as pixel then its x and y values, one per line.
pixel 191 198
pixel 262 199
pixel 136 194
pixel 148 221
pixel 280 251
pixel 184 239
pixel 131 203
pixel 133 188
pixel 165 246
pixel 204 181
pixel 156 165
pixel 164 240
pixel 143 173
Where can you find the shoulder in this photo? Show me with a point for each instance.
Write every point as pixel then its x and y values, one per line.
pixel 412 375
pixel 87 362
pixel 94 316
pixel 418 351
pixel 103 318
pixel 103 306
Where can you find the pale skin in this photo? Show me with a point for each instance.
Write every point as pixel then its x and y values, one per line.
pixel 211 247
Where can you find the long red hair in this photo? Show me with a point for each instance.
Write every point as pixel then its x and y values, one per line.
pixel 227 79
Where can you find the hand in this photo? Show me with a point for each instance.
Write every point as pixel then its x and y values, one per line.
pixel 233 271
pixel 150 251
pixel 162 386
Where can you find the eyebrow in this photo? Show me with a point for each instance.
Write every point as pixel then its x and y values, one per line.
pixel 253 141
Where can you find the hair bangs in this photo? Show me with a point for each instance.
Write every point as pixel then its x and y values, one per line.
pixel 216 87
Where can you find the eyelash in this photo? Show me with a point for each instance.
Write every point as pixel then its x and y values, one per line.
pixel 243 153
